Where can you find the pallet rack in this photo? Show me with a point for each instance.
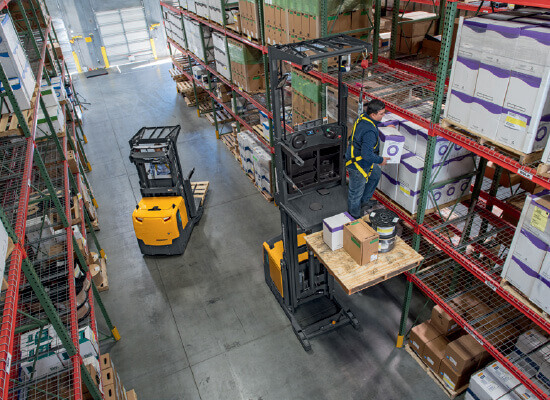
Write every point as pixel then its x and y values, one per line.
pixel 460 228
pixel 36 183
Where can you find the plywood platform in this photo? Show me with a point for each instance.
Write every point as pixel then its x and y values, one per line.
pixel 523 158
pixel 449 392
pixel 354 277
pixel 222 117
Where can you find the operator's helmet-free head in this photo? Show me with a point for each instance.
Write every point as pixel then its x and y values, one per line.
pixel 375 109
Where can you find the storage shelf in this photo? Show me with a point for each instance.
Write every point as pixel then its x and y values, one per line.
pixel 495 327
pixel 228 108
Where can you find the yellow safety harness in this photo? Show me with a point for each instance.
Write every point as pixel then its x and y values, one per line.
pixel 359 158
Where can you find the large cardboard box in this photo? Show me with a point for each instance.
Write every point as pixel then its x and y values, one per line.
pixel 420 335
pixel 442 321
pixel 417 28
pixel 434 352
pixel 464 354
pixel 361 242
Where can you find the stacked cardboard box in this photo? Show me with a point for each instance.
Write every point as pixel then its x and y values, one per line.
pixel 247 68
pixel 223 92
pixel 247 141
pixel 411 34
pixel 112 385
pixel 500 90
pixel 261 161
pixel 527 266
pixel 220 54
pixel 220 13
pixel 15 63
pixel 249 18
pixel 306 97
pixel 293 22
pixel 202 8
pixel 199 39
pixel 496 382
pixel 174 27
pixel 446 350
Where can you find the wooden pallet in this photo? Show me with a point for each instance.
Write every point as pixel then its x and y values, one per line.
pixel 230 140
pixel 177 76
pixel 205 107
pixel 523 299
pixel 234 28
pixel 200 189
pixel 222 116
pixel 523 158
pixel 544 170
pixel 9 124
pixel 428 211
pixel 105 284
pixel 449 392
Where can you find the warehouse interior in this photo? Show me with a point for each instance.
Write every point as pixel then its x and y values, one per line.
pixel 191 205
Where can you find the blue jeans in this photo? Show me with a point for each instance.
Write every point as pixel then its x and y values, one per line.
pixel 361 191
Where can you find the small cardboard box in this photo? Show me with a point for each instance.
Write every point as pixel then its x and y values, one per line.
pixel 105 361
pixel 442 321
pixel 333 230
pixel 422 334
pixel 361 242
pixel 108 376
pixel 452 379
pixel 434 352
pixel 464 354
pixel 73 164
pixel 110 392
pixel 131 395
pixel 392 143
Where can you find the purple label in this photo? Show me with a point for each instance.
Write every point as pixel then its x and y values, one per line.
pixel 462 97
pixel 443 149
pixel 478 27
pixel 468 63
pixel 408 128
pixel 492 108
pixel 541 133
pixel 506 31
pixel 393 150
pixel 535 240
pixel 525 268
pixel 437 196
pixel 541 37
pixel 464 186
pixel 451 191
pixel 496 71
pixel 389 178
pixel 411 168
pixel 530 80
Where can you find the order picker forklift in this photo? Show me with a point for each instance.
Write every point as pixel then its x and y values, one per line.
pixel 171 205
pixel 311 185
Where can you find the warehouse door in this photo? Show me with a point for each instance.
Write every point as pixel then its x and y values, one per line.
pixel 125 35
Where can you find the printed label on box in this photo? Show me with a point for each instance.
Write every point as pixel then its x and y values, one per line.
pixel 430 360
pixel 539 219
pixel 515 121
pixel 415 344
pixel 452 360
pixel 374 257
pixel 405 190
pixel 448 381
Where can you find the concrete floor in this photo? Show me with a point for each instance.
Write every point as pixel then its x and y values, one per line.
pixel 205 325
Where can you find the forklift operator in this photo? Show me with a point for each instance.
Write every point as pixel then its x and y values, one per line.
pixel 363 160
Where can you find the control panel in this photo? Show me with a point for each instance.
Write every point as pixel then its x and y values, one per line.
pixel 328 134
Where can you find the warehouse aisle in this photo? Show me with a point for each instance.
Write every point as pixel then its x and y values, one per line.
pixel 205 325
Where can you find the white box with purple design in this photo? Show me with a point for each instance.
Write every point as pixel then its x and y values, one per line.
pixel 333 230
pixel 529 249
pixel 391 144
